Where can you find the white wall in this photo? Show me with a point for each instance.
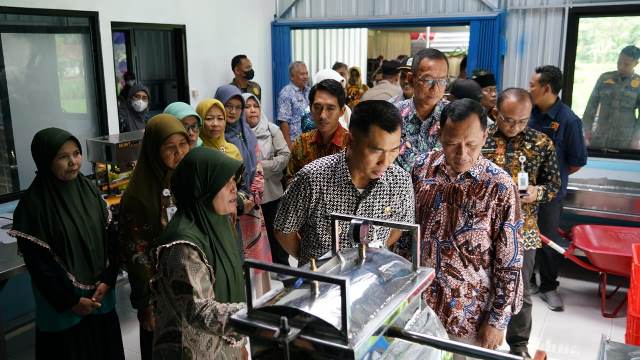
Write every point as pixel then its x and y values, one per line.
pixel 216 30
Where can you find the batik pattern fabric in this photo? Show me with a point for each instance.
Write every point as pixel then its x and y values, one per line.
pixel 541 165
pixel 471 235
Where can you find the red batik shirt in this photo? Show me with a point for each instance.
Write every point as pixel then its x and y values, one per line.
pixel 471 235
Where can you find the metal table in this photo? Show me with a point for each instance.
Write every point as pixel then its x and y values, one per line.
pixel 604 198
pixel 11 264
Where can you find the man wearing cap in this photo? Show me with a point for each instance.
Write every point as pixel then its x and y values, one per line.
pixel 386 88
pixel 405 83
pixel 617 96
pixel 487 82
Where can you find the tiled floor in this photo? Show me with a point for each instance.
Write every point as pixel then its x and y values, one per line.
pixel 570 335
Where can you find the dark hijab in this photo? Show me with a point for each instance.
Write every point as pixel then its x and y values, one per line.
pixel 136 120
pixel 151 175
pixel 67 217
pixel 196 181
pixel 240 134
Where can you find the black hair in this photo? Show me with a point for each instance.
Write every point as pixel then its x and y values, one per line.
pixel 339 65
pixel 332 87
pixel 466 89
pixel 631 51
pixel 429 53
pixel 375 112
pixel 517 94
pixel 552 76
pixel 463 63
pixel 236 61
pixel 460 110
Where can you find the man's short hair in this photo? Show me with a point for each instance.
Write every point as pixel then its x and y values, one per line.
pixel 514 93
pixel 294 65
pixel 550 75
pixel 339 65
pixel 460 110
pixel 236 61
pixel 429 53
pixel 631 51
pixel 375 112
pixel 332 87
pixel 466 89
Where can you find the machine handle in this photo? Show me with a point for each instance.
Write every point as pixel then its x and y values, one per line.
pixel 449 345
pixel 357 221
pixel 340 281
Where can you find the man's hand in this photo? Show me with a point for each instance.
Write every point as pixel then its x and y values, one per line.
pixel 101 291
pixel 489 337
pixel 147 318
pixel 532 195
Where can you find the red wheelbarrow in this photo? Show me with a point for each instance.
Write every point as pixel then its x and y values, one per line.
pixel 608 249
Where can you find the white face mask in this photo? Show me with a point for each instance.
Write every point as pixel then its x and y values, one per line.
pixel 139 105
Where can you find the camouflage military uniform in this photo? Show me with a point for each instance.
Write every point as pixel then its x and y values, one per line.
pixel 612 108
pixel 252 88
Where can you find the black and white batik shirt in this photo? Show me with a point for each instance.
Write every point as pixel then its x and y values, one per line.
pixel 323 187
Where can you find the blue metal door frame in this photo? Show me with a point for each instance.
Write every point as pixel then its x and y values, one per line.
pixel 486 42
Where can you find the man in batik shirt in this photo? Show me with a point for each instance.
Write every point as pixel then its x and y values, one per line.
pixel 421 114
pixel 327 99
pixel 469 213
pixel 526 154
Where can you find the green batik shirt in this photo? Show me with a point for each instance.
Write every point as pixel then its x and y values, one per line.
pixel 611 113
pixel 540 163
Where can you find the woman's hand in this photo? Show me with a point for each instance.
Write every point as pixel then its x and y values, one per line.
pixel 248 206
pixel 101 291
pixel 85 306
pixel 147 318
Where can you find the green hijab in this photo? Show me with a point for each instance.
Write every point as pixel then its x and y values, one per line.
pixel 197 180
pixel 67 217
pixel 151 176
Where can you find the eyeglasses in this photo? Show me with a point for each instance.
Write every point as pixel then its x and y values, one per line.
pixel 514 122
pixel 232 107
pixel 193 128
pixel 433 82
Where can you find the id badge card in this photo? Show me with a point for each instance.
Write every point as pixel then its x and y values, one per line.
pixel 523 181
pixel 523 177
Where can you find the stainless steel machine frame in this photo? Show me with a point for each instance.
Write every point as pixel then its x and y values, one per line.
pixel 266 322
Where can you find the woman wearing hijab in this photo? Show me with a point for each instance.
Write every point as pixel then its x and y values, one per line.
pixel 252 229
pixel 355 87
pixel 61 226
pixel 147 206
pixel 274 156
pixel 214 122
pixel 132 115
pixel 189 118
pixel 198 251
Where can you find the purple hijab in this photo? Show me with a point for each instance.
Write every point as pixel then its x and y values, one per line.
pixel 240 135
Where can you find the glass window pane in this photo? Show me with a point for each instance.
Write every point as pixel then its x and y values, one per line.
pixel 606 87
pixel 49 85
pixel 71 73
